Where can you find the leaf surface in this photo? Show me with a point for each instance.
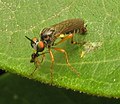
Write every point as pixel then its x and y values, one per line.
pixel 99 70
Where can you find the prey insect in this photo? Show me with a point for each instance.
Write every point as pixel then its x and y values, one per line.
pixel 48 38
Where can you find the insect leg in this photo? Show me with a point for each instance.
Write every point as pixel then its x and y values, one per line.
pixel 65 38
pixel 36 60
pixel 73 42
pixel 43 57
pixel 70 36
pixel 66 57
pixel 52 62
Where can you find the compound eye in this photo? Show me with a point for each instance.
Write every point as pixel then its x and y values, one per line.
pixel 40 46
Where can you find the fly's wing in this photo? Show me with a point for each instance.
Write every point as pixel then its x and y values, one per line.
pixel 68 26
pixel 65 27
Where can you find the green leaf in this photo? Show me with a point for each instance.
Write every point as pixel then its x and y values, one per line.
pixel 99 69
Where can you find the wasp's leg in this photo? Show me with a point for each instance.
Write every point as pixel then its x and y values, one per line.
pixel 52 62
pixel 66 57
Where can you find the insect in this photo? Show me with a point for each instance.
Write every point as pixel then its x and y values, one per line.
pixel 48 38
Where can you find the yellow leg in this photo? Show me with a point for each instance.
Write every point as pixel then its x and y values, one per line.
pixel 70 36
pixel 64 39
pixel 52 62
pixel 66 57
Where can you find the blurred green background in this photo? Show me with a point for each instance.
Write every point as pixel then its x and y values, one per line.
pixel 18 90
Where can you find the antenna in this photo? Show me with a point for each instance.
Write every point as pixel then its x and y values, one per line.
pixel 30 39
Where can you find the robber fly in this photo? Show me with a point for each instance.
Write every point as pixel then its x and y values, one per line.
pixel 48 38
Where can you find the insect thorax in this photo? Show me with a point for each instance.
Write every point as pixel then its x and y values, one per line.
pixel 48 36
